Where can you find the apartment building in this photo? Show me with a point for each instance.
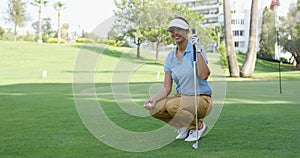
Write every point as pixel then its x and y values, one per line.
pixel 212 11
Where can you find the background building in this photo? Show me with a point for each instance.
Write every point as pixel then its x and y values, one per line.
pixel 212 11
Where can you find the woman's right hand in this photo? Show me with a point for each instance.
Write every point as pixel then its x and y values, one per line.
pixel 149 104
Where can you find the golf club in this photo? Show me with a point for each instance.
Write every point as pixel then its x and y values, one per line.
pixel 195 145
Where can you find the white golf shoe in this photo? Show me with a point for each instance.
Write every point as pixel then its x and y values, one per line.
pixel 193 135
pixel 182 133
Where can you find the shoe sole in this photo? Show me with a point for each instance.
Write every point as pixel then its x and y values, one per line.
pixel 206 127
pixel 182 138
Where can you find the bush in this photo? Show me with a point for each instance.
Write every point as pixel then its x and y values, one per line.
pixel 122 43
pixel 223 55
pixel 45 38
pixel 2 33
pixel 84 40
pixel 108 42
pixel 54 40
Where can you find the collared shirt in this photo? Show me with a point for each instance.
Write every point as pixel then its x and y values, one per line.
pixel 183 72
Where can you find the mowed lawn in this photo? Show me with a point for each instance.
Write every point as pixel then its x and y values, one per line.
pixel 38 117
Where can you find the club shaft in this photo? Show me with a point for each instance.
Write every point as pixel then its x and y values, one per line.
pixel 196 99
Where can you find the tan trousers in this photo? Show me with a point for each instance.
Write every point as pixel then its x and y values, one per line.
pixel 179 110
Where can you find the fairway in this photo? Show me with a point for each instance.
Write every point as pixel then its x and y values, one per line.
pixel 39 118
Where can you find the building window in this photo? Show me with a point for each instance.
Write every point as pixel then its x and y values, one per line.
pixel 236 44
pixel 238 33
pixel 239 44
pixel 242 44
pixel 241 32
pixel 234 33
pixel 237 21
pixel 214 11
pixel 242 21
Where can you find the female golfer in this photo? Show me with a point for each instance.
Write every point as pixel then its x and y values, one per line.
pixel 179 110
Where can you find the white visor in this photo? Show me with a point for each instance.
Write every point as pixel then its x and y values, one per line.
pixel 178 23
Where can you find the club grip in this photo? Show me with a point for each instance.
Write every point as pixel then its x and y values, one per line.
pixel 193 31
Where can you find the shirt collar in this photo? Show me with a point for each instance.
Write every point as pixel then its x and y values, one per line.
pixel 188 49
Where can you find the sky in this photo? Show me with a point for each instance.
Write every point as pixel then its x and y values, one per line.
pixel 88 14
pixel 79 14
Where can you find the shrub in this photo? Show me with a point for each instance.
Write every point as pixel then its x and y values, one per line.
pixel 54 40
pixel 223 56
pixel 122 43
pixel 108 42
pixel 84 40
pixel 2 33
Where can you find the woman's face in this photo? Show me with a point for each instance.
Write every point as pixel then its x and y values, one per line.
pixel 178 34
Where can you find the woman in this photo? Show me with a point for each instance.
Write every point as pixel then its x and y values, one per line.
pixel 179 110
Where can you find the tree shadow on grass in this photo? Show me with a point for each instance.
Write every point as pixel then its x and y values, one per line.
pixel 122 55
pixel 105 50
pixel 55 101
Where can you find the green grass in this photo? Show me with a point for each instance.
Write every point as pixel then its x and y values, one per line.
pixel 270 70
pixel 38 118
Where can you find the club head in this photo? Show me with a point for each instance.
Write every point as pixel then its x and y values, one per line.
pixel 195 145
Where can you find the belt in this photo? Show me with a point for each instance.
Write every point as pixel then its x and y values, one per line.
pixel 179 94
pixel 207 95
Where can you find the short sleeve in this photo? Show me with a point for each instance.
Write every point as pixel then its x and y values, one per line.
pixel 203 52
pixel 167 66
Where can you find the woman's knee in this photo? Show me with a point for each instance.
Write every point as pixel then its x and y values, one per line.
pixel 172 109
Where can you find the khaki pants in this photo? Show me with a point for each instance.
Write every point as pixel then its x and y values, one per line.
pixel 179 110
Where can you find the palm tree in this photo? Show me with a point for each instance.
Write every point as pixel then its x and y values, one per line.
pixel 249 63
pixel 58 6
pixel 40 4
pixel 231 56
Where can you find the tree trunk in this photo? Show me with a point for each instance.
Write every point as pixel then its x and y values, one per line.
pixel 249 63
pixel 231 56
pixel 296 62
pixel 15 32
pixel 138 43
pixel 40 26
pixel 58 28
pixel 157 51
pixel 138 49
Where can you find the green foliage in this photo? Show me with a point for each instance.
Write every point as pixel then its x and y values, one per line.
pixel 216 32
pixel 59 6
pixel 9 35
pixel 64 31
pixel 17 12
pixel 108 42
pixel 2 33
pixel 27 37
pixel 46 27
pixel 268 36
pixel 147 21
pixel 89 35
pixel 84 40
pixel 54 40
pixel 290 34
pixel 122 43
pixel 45 38
pixel 223 55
